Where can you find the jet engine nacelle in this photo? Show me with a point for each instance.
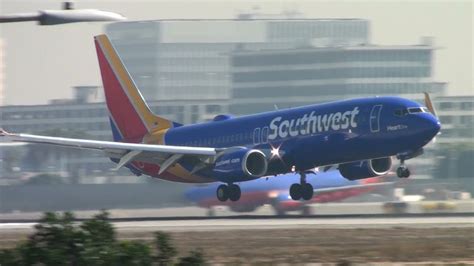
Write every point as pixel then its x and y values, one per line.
pixel 365 169
pixel 240 164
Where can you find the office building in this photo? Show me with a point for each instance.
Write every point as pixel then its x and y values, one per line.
pixel 456 114
pixel 86 116
pixel 294 77
pixel 190 59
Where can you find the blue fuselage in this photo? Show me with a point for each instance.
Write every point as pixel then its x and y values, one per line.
pixel 302 138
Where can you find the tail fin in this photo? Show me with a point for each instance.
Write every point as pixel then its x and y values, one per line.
pixel 130 116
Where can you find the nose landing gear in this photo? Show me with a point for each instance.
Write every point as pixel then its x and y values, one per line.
pixel 302 190
pixel 402 170
pixel 225 192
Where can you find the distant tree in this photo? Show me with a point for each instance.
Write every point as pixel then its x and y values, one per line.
pixel 55 242
pixel 164 249
pixel 132 253
pixel 58 241
pixel 195 258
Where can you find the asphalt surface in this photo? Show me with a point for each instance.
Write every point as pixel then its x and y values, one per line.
pixel 336 210
pixel 250 223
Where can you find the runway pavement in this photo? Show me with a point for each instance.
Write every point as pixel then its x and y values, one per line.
pixel 299 223
pixel 278 223
pixel 327 209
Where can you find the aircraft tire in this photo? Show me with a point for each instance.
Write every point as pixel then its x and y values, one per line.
pixel 407 173
pixel 222 193
pixel 403 172
pixel 307 191
pixel 295 192
pixel 234 192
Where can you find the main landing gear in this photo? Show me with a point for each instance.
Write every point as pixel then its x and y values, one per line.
pixel 302 190
pixel 225 192
pixel 402 170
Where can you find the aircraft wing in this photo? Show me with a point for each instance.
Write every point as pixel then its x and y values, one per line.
pixel 164 155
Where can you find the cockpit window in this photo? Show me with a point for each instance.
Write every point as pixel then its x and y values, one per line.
pixel 415 110
pixel 401 112
pixel 411 110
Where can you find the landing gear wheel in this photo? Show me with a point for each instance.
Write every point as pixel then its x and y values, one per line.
pixel 222 193
pixel 296 192
pixel 234 192
pixel 307 191
pixel 403 172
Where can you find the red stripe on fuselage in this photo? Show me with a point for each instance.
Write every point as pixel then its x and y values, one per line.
pixel 124 114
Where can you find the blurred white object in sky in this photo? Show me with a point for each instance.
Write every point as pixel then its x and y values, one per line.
pixel 67 15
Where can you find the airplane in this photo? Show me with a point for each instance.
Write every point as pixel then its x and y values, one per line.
pixel 67 15
pixel 328 186
pixel 356 136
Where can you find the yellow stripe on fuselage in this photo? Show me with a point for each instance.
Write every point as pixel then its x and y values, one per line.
pixel 152 121
pixel 158 137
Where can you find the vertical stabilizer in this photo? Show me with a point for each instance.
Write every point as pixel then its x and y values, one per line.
pixel 131 119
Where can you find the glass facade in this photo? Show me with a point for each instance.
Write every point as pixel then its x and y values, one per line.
pixel 350 31
pixel 182 60
pixel 93 117
pixel 322 74
pixel 331 73
pixel 318 56
pixel 334 89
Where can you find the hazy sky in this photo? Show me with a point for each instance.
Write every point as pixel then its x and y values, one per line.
pixel 44 62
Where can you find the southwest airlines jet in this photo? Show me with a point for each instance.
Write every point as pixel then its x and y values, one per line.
pixel 359 137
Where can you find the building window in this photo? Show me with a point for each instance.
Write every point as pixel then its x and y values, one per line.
pixel 445 105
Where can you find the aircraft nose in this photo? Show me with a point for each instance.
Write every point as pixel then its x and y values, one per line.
pixel 432 125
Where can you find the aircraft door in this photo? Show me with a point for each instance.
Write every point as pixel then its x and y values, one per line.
pixel 265 131
pixel 256 136
pixel 375 118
